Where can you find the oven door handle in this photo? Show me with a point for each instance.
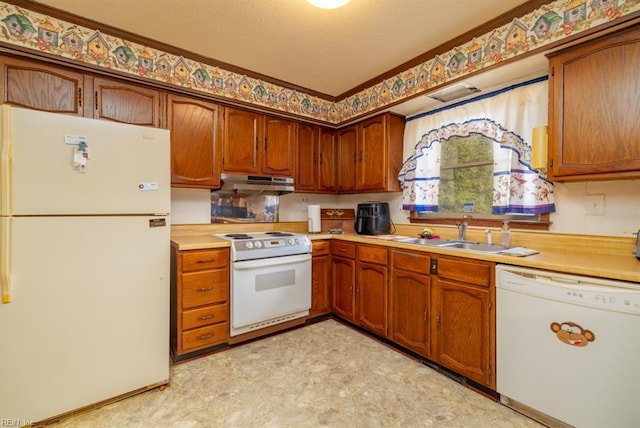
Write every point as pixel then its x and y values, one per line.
pixel 273 261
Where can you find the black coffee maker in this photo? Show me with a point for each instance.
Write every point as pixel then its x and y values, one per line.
pixel 372 218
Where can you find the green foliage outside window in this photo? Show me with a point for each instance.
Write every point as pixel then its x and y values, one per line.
pixel 466 175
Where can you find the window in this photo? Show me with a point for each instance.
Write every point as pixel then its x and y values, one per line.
pixel 467 187
pixel 474 158
pixel 466 175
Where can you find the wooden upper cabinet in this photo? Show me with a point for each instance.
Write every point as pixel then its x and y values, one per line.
pixel 195 148
pixel 369 155
pixel 279 151
pixel 380 142
pixel 258 144
pixel 38 86
pixel 307 159
pixel 315 165
pixel 242 148
pixel 121 102
pixel 594 101
pixel 346 147
pixel 326 161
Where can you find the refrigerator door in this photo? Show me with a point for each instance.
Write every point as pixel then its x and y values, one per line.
pixel 89 318
pixel 120 169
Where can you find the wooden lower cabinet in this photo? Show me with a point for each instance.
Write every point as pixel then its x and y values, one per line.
pixel 199 300
pixel 372 279
pixel 410 301
pixel 343 267
pixel 360 284
pixel 321 275
pixel 463 317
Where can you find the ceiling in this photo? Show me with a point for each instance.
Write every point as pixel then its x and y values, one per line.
pixel 328 51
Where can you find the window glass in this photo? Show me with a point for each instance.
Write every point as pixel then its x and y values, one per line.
pixel 466 175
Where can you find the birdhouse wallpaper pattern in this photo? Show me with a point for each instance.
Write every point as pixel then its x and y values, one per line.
pixel 559 19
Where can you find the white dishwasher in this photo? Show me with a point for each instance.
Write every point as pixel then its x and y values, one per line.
pixel 568 347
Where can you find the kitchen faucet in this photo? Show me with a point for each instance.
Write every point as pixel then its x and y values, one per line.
pixel 462 228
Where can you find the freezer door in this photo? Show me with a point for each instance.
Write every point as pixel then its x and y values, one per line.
pixel 89 317
pixel 125 169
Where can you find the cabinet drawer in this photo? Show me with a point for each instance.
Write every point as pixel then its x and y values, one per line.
pixel 343 249
pixel 411 261
pixel 320 248
pixel 204 316
pixel 204 259
pixel 372 254
pixel 465 270
pixel 204 288
pixel 205 336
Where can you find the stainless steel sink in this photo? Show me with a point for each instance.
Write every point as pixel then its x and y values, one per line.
pixel 473 246
pixel 457 244
pixel 425 241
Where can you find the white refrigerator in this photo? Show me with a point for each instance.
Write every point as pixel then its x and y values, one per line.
pixel 84 262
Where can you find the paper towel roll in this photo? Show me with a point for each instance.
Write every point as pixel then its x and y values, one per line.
pixel 314 218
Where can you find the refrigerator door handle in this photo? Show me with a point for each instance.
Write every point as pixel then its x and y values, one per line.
pixel 6 150
pixel 5 258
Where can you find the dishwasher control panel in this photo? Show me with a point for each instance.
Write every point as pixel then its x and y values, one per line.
pixel 594 292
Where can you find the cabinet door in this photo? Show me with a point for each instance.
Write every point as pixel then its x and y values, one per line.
pixel 347 141
pixel 307 159
pixel 320 297
pixel 241 141
pixel 326 162
pixel 41 87
pixel 279 152
pixel 462 330
pixel 371 297
pixel 372 154
pixel 195 149
pixel 343 271
pixel 121 102
pixel 410 300
pixel 594 101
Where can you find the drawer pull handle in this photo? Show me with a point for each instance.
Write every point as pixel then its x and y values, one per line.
pixel 342 250
pixel 206 317
pixel 205 336
pixel 205 261
pixel 205 289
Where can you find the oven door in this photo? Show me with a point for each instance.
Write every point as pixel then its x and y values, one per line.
pixel 267 289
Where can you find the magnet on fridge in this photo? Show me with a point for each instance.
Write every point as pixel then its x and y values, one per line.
pixel 79 160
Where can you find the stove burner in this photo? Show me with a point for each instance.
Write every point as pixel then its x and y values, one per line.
pixel 279 234
pixel 238 236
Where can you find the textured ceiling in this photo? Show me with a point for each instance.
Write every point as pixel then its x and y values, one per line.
pixel 328 51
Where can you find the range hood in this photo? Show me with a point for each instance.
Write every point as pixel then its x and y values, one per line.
pixel 254 184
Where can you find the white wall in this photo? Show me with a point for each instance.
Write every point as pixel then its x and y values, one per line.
pixel 597 208
pixel 610 208
pixel 190 206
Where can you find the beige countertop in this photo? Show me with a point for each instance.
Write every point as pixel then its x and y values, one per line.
pixel 603 257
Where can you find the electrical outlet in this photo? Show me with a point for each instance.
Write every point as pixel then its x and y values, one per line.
pixel 594 205
pixel 305 203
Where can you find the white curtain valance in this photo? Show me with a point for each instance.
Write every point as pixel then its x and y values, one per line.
pixel 502 119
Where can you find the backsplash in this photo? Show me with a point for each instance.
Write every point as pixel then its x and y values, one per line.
pixel 608 208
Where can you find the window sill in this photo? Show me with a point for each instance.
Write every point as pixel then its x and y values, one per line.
pixel 542 224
